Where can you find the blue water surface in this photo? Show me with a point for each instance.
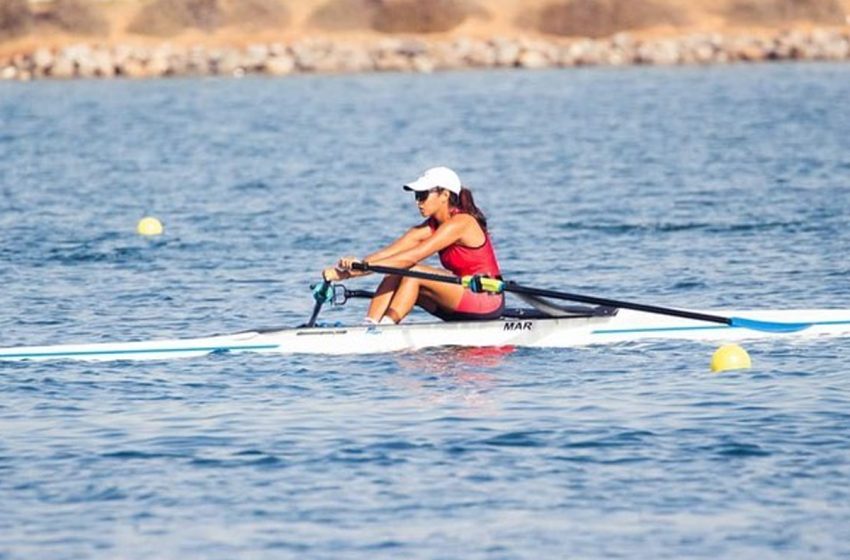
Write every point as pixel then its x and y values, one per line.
pixel 693 187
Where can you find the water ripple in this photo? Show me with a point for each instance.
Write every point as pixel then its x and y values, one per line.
pixel 693 187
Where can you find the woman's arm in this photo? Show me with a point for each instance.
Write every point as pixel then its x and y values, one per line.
pixel 448 233
pixel 411 238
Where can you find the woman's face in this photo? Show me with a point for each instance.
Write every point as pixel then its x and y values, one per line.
pixel 431 201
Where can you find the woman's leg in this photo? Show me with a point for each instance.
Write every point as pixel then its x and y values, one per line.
pixel 429 294
pixel 383 296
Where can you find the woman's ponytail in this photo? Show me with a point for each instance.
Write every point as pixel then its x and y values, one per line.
pixel 466 204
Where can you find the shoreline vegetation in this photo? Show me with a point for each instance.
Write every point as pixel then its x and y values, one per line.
pixel 63 39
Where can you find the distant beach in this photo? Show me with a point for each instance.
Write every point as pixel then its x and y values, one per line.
pixel 63 39
pixel 415 55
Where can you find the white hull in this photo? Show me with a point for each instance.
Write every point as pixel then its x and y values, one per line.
pixel 626 326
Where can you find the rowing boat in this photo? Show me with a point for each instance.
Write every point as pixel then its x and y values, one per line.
pixel 596 326
pixel 542 325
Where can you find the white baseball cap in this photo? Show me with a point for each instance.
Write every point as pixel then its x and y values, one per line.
pixel 436 177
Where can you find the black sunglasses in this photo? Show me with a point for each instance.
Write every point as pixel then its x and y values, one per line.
pixel 423 195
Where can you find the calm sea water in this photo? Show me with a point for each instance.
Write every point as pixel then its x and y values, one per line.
pixel 719 187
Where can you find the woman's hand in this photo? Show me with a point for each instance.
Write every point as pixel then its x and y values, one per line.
pixel 335 274
pixel 346 262
pixel 342 270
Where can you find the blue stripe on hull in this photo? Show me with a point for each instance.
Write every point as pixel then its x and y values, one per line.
pixel 92 353
pixel 697 328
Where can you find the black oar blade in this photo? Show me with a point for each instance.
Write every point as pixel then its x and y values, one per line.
pixel 767 326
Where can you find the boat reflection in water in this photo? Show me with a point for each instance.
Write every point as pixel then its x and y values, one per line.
pixel 460 375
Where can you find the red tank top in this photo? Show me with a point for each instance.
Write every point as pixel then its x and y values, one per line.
pixel 466 261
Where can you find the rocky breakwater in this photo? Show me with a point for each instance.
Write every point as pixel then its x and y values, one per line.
pixel 417 55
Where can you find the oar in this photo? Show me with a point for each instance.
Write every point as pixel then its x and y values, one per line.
pixel 496 286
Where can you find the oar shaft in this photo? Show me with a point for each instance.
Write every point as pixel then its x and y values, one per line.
pixel 518 289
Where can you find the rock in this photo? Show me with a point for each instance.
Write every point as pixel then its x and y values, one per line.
pixel 618 57
pixel 329 63
pixel 703 54
pixel 159 64
pixel 103 63
pixel 481 55
pixel 829 45
pixel 22 62
pixel 280 65
pixel 663 52
pixel 63 67
pixel 505 53
pixel 748 50
pixel 392 62
pixel 198 61
pixel 446 57
pixel 229 64
pixel 133 68
pixel 178 64
pixel 422 64
pixel 587 53
pixel 42 59
pixel 689 46
pixel 532 59
pixel 354 60
pixel 305 57
pixel 77 52
pixel 278 49
pixel 121 54
pixel 411 48
pixel 255 57
pixel 623 42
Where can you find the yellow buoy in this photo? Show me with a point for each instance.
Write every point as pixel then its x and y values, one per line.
pixel 730 356
pixel 149 226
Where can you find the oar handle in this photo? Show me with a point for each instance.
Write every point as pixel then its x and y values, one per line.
pixel 363 266
pixel 476 282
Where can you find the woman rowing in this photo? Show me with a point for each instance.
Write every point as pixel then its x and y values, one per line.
pixel 456 229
